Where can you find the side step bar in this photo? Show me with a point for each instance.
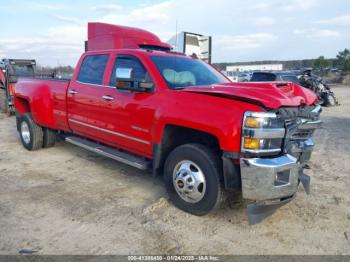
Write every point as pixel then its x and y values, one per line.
pixel 110 152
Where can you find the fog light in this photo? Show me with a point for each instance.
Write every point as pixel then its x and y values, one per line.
pixel 282 178
pixel 251 143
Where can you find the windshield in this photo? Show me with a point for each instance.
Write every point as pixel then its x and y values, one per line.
pixel 180 72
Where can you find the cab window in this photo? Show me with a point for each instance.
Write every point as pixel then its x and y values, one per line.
pixel 92 69
pixel 139 72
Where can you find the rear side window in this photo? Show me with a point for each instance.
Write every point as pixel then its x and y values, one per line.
pixel 263 77
pixel 92 69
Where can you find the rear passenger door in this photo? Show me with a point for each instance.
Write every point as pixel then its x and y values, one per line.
pixel 84 97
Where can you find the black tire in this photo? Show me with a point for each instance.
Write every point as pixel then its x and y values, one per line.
pixel 330 100
pixel 36 136
pixel 49 137
pixel 209 163
pixel 3 101
pixel 10 111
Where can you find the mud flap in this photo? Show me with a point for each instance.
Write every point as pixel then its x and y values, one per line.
pixel 305 181
pixel 257 213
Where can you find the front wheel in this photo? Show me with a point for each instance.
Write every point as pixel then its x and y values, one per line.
pixel 192 178
pixel 31 134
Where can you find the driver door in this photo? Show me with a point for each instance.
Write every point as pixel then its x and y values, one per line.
pixel 129 116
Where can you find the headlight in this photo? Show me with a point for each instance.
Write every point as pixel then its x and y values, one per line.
pixel 262 133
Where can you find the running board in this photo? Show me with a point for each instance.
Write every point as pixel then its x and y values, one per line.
pixel 110 152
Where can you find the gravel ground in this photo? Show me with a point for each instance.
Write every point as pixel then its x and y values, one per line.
pixel 65 200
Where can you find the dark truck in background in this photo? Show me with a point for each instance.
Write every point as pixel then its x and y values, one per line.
pixel 305 78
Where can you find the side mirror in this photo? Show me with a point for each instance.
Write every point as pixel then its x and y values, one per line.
pixel 124 74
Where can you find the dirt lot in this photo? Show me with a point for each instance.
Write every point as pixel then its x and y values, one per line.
pixel 65 200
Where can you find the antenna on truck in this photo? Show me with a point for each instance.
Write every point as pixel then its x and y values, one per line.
pixel 176 48
pixel 176 34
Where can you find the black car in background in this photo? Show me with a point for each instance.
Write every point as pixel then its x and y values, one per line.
pixel 283 76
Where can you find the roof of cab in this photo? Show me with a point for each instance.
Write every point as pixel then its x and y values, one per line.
pixel 139 51
pixel 103 36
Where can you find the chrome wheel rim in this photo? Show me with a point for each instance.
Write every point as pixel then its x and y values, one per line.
pixel 189 181
pixel 25 132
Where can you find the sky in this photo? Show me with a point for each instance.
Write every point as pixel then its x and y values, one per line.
pixel 53 32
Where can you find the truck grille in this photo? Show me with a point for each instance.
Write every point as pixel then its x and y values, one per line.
pixel 302 134
pixel 290 122
pixel 298 139
pixel 294 130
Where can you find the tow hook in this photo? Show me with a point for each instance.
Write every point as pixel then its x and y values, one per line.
pixel 305 181
pixel 258 212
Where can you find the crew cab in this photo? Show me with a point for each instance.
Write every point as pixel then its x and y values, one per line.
pixel 133 100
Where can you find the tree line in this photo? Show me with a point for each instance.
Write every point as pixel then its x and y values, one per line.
pixel 341 62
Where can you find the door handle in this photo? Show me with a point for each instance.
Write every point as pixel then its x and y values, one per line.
pixel 72 92
pixel 108 98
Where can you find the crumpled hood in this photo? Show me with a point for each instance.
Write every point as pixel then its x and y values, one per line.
pixel 270 95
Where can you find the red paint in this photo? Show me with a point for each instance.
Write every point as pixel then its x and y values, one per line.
pixel 2 77
pixel 140 118
pixel 105 36
pixel 269 95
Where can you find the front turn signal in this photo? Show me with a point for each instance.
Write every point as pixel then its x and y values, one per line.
pixel 251 143
pixel 252 122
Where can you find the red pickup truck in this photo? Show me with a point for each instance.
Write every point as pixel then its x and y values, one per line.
pixel 133 100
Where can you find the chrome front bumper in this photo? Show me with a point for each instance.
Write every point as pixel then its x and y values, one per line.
pixel 269 178
pixel 272 182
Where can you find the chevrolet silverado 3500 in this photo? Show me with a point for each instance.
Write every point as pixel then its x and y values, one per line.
pixel 133 100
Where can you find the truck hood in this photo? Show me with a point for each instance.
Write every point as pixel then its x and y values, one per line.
pixel 270 95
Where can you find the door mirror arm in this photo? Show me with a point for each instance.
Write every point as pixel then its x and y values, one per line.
pixel 125 80
pixel 135 86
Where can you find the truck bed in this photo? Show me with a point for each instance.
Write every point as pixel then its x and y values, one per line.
pixel 47 100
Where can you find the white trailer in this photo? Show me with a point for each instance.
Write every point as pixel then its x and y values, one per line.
pixel 192 44
pixel 254 67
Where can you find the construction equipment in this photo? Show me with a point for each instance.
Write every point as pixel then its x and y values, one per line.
pixel 11 70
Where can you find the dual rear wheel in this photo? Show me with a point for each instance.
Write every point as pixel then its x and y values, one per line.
pixel 32 135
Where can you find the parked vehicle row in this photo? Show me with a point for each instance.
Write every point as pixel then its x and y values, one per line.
pixel 305 78
pixel 238 76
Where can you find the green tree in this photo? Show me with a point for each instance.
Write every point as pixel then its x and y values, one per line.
pixel 343 60
pixel 321 63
